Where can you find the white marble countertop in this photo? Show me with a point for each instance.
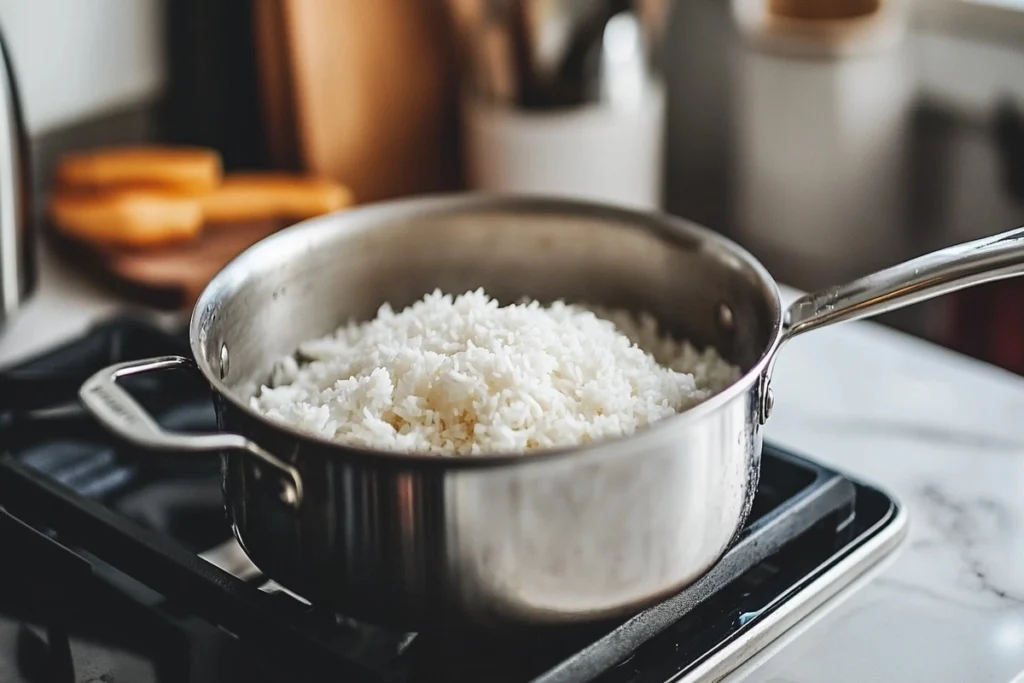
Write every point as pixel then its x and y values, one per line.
pixel 943 433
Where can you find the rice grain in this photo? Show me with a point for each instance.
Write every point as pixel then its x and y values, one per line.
pixel 463 375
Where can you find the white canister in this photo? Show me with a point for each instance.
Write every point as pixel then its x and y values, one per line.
pixel 821 167
pixel 610 152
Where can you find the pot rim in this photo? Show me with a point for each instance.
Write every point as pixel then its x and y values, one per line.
pixel 660 223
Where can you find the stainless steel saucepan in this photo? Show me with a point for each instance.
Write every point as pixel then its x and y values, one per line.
pixel 548 538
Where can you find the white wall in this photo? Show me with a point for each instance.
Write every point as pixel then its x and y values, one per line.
pixel 80 58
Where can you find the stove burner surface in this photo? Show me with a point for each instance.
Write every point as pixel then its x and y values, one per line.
pixel 125 559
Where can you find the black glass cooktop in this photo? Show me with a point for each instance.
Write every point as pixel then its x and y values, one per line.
pixel 120 565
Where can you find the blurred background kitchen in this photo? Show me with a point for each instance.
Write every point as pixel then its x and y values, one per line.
pixel 829 137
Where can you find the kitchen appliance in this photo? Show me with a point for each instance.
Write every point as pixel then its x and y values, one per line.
pixel 502 539
pixel 17 239
pixel 120 565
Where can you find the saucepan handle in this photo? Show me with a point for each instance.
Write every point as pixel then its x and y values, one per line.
pixel 120 413
pixel 940 272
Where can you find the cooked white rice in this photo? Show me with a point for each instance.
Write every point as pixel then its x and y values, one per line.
pixel 462 375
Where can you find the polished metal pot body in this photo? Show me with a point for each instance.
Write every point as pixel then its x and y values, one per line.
pixel 17 238
pixel 552 540
pixel 547 538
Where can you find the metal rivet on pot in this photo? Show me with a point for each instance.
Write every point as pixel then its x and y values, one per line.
pixel 288 494
pixel 769 403
pixel 726 320
pixel 257 472
pixel 223 361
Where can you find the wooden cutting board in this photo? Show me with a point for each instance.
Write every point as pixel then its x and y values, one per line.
pixel 170 277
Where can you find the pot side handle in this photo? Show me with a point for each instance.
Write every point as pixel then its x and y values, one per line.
pixel 941 272
pixel 115 408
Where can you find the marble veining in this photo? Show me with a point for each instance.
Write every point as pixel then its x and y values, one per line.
pixel 966 525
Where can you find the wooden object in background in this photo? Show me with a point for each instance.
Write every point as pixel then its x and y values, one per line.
pixel 136 211
pixel 182 271
pixel 131 218
pixel 191 169
pixel 373 92
pixel 171 277
pixel 823 9
pixel 137 218
pixel 823 29
pixel 271 196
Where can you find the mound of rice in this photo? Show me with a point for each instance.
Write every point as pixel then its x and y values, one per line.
pixel 463 375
